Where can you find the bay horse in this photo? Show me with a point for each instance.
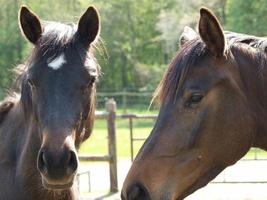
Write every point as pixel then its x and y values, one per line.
pixel 213 109
pixel 43 126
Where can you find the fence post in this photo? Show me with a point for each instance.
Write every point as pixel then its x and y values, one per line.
pixel 131 137
pixel 111 109
pixel 124 100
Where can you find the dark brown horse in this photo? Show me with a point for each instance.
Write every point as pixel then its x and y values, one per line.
pixel 42 127
pixel 213 108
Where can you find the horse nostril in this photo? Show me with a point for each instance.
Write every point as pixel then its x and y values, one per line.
pixel 57 164
pixel 42 162
pixel 72 161
pixel 137 192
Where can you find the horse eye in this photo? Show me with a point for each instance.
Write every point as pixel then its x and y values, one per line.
pixel 194 99
pixel 86 88
pixel 92 81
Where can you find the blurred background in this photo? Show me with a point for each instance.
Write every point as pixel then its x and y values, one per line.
pixel 140 37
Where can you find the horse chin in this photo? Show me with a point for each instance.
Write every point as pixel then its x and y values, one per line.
pixel 199 182
pixel 49 185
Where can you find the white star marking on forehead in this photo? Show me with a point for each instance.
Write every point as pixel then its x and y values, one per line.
pixel 57 62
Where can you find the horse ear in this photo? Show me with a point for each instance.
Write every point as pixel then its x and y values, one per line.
pixel 211 32
pixel 30 24
pixel 89 26
pixel 187 35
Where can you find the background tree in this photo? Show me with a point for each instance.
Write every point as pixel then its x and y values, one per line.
pixel 247 16
pixel 140 37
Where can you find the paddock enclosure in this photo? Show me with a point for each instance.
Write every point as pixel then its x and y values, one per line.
pixel 125 46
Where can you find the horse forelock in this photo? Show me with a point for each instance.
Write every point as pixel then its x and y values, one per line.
pixel 56 38
pixel 177 71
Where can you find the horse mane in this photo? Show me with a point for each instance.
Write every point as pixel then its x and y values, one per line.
pixel 251 40
pixel 253 74
pixel 190 54
pixel 256 55
pixel 173 78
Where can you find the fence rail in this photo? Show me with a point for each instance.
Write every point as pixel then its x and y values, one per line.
pixel 131 117
pixel 126 99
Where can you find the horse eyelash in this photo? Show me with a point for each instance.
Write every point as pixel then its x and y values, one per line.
pixel 92 81
pixel 189 101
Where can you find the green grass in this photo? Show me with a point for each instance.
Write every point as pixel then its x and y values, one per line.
pixel 98 143
pixel 256 153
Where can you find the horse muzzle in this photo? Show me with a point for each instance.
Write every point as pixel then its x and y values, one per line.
pixel 57 167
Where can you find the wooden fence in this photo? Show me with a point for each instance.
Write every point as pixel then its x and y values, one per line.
pixel 110 116
pixel 111 158
pixel 131 117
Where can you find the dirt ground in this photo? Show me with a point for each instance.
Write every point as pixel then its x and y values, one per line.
pixel 242 171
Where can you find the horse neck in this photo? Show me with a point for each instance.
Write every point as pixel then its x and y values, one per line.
pixel 19 144
pixel 252 65
pixel 12 132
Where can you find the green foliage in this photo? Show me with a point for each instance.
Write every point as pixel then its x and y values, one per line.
pixel 128 29
pixel 14 49
pixel 10 41
pixel 247 16
pixel 140 37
